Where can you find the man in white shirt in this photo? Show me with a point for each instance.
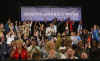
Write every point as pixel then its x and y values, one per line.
pixel 51 30
pixel 10 37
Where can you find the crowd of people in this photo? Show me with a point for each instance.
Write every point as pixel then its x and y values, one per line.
pixel 65 39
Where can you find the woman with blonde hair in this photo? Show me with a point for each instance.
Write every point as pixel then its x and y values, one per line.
pixel 50 45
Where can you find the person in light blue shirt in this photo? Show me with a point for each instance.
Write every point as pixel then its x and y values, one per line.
pixel 75 38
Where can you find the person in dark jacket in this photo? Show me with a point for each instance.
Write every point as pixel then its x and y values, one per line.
pixel 4 48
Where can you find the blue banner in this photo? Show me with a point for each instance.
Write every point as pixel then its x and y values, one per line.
pixel 49 13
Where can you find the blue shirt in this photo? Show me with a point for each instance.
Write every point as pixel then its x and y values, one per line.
pixel 95 34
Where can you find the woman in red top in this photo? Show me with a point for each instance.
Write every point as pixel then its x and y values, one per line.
pixel 19 52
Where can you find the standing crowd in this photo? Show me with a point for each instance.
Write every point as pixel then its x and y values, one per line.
pixel 64 39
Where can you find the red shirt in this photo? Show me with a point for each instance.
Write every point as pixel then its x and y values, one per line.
pixel 23 54
pixel 71 26
pixel 89 39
